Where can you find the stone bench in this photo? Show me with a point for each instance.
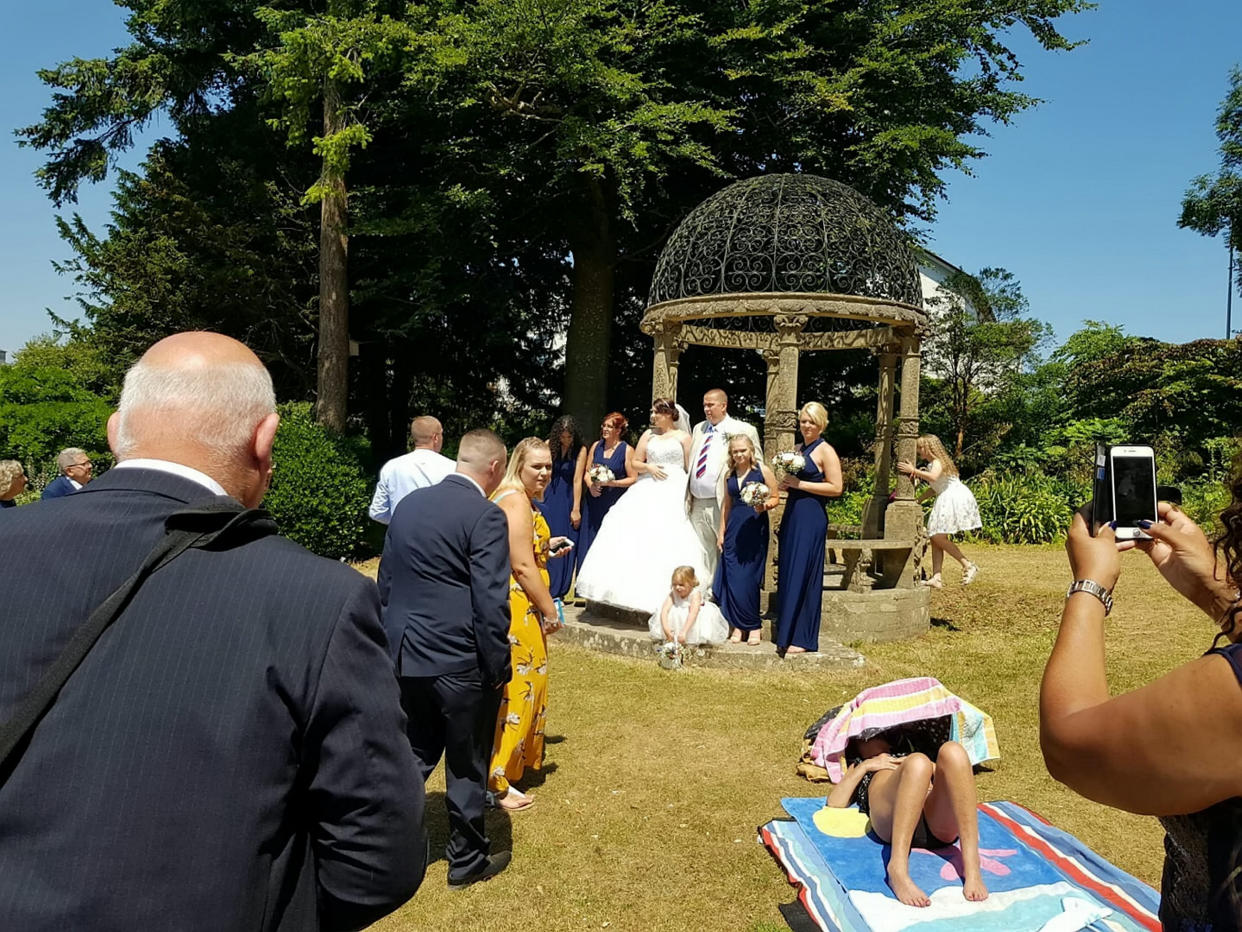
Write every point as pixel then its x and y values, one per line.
pixel 859 555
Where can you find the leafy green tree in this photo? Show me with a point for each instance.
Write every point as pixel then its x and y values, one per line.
pixel 981 340
pixel 1213 204
pixel 45 408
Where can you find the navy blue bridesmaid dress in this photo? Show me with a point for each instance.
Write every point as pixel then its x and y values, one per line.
pixel 558 502
pixel 594 509
pixel 800 566
pixel 739 574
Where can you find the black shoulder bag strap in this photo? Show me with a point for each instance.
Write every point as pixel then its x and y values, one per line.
pixel 219 526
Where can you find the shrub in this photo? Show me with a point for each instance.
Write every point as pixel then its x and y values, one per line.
pixel 1025 509
pixel 320 491
pixel 42 411
pixel 1204 500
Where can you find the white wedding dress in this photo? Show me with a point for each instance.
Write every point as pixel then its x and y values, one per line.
pixel 645 536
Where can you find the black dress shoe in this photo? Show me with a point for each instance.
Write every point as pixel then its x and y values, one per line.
pixel 495 864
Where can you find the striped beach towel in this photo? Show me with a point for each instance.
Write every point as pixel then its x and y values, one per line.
pixel 903 702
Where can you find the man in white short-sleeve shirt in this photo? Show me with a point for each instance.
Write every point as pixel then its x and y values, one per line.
pixel 418 469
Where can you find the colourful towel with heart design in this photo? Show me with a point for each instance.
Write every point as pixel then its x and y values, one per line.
pixel 1039 878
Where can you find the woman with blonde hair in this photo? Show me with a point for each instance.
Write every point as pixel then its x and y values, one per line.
pixel 743 539
pixel 955 510
pixel 804 528
pixel 518 742
pixel 12 482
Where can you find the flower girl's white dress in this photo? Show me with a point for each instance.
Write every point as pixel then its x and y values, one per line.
pixel 710 626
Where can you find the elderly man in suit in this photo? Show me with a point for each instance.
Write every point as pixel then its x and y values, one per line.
pixel 709 463
pixel 421 467
pixel 230 754
pixel 444 585
pixel 75 471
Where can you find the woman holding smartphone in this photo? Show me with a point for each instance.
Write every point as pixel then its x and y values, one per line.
pixel 1172 748
pixel 532 616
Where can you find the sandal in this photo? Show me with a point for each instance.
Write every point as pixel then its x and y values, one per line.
pixel 753 639
pixel 933 582
pixel 736 636
pixel 972 570
pixel 514 801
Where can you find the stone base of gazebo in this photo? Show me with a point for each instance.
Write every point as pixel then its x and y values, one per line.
pixel 615 631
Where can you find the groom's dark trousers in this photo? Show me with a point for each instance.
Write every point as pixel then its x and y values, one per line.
pixel 444 586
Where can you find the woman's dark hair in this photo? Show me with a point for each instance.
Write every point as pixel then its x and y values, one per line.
pixel 559 426
pixel 665 406
pixel 1229 545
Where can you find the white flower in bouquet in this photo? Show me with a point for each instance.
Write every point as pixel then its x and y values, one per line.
pixel 754 493
pixel 600 473
pixel 789 462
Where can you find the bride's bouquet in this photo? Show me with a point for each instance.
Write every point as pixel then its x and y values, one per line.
pixel 790 462
pixel 754 493
pixel 600 473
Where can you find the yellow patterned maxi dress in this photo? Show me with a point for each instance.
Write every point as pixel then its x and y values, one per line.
pixel 519 726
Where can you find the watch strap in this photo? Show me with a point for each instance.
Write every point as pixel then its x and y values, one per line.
pixel 1093 587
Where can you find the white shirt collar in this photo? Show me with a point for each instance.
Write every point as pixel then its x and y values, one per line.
pixel 77 486
pixel 176 469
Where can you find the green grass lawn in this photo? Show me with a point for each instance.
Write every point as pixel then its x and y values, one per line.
pixel 655 781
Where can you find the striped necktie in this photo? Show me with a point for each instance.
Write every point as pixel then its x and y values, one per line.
pixel 707 445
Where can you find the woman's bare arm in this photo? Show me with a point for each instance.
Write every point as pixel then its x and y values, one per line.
pixel 516 507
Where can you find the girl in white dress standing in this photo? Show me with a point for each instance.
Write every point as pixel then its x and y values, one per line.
pixel 955 510
pixel 686 617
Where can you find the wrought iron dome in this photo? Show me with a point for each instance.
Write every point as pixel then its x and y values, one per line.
pixel 786 234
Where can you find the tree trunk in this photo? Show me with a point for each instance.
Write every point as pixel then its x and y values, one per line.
pixel 589 340
pixel 333 364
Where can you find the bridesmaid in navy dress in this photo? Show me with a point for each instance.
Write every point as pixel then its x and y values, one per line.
pixel 800 542
pixel 562 500
pixel 743 541
pixel 611 451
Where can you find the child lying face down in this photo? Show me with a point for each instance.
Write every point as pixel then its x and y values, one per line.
pixel 914 802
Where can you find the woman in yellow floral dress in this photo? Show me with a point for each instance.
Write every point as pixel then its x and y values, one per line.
pixel 532 616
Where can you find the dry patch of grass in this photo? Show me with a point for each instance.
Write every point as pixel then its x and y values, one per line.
pixel 655 781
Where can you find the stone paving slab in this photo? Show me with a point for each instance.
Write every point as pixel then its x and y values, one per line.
pixel 610 631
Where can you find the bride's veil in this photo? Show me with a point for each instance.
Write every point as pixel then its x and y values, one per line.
pixel 683 419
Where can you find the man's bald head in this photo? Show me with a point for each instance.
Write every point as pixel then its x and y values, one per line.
pixel 426 433
pixel 203 400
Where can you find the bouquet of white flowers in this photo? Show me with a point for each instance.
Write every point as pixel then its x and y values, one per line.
pixel 600 473
pixel 754 493
pixel 670 655
pixel 790 462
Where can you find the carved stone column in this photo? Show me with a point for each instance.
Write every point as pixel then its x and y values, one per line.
pixel 904 517
pixel 873 514
pixel 782 400
pixel 668 349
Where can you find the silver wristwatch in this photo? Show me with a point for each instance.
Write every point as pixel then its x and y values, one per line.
pixel 1090 585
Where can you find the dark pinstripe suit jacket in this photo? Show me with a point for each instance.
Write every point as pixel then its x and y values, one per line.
pixel 444 583
pixel 232 753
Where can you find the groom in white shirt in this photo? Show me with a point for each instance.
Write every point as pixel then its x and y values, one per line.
pixel 709 460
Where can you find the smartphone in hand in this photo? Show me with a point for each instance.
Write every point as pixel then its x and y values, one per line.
pixel 1133 485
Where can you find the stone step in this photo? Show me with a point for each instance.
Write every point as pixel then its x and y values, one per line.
pixel 614 631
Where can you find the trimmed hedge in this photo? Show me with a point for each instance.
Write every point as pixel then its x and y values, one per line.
pixel 320 490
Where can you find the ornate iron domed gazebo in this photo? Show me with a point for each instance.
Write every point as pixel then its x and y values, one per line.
pixel 787 263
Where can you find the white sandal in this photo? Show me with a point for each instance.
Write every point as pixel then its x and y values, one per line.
pixel 972 570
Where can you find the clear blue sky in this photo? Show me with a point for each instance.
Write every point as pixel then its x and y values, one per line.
pixel 1079 198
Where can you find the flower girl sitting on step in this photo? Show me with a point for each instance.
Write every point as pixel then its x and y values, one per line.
pixel 686 617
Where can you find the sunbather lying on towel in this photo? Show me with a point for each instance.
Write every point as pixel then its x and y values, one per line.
pixel 914 801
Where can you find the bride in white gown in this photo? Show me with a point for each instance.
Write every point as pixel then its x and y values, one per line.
pixel 647 533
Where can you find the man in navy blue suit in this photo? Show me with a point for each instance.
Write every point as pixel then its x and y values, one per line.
pixel 444 586
pixel 75 471
pixel 230 756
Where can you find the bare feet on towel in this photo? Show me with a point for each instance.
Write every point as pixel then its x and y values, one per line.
pixel 974 890
pixel 905 890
